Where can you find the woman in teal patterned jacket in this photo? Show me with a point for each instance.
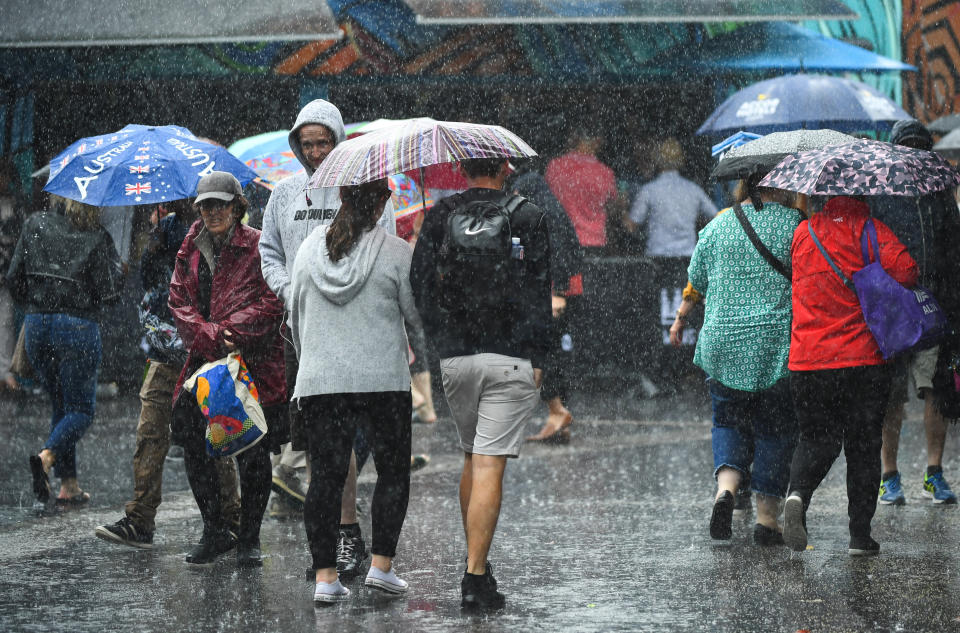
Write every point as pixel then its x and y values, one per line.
pixel 743 347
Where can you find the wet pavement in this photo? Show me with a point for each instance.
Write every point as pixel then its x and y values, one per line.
pixel 606 534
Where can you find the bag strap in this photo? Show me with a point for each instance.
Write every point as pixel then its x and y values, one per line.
pixel 823 251
pixel 758 244
pixel 868 238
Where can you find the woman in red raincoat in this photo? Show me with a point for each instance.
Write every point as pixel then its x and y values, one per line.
pixel 839 380
pixel 221 303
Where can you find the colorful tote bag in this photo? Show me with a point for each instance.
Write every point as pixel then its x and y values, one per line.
pixel 229 401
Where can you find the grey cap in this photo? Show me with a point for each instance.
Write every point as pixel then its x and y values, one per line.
pixel 220 185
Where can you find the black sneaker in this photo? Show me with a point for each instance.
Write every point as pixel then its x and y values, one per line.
pixel 722 517
pixel 211 547
pixel 126 532
pixel 350 554
pixel 766 537
pixel 480 592
pixel 863 546
pixel 249 555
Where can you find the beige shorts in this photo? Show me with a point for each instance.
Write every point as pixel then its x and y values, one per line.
pixel 491 397
pixel 917 368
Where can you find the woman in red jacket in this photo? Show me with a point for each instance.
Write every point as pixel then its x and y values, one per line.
pixel 839 380
pixel 221 303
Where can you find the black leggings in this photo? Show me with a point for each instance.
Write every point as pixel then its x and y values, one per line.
pixel 253 466
pixel 331 422
pixel 841 408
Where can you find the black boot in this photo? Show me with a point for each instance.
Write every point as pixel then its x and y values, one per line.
pixel 249 555
pixel 214 543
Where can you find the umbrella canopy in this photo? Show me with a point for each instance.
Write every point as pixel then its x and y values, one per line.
pixel 734 140
pixel 763 154
pixel 269 155
pixel 775 45
pixel 863 168
pixel 799 101
pixel 139 164
pixel 412 144
pixel 944 124
pixel 949 145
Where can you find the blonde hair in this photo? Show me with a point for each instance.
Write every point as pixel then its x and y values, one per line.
pixel 670 154
pixel 83 216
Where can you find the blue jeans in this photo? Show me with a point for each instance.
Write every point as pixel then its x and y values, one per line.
pixel 758 428
pixel 65 352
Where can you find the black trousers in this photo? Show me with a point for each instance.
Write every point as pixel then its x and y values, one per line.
pixel 841 408
pixel 331 422
pixel 253 467
pixel 559 362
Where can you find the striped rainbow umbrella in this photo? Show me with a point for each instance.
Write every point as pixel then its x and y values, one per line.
pixel 412 144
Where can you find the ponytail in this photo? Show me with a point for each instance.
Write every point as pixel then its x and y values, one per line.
pixel 360 208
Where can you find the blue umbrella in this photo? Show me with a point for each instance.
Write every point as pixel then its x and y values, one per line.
pixel 139 164
pixel 794 102
pixel 775 45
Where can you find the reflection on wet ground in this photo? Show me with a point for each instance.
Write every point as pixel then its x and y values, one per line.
pixel 606 534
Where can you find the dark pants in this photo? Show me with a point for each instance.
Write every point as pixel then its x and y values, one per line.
pixel 253 466
pixel 65 352
pixel 841 408
pixel 331 422
pixel 559 362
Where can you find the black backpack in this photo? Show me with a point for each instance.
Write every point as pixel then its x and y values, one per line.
pixel 476 267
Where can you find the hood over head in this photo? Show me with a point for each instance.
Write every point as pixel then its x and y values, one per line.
pixel 341 281
pixel 911 133
pixel 317 112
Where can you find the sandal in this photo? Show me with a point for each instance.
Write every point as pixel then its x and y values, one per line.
pixel 41 480
pixel 80 499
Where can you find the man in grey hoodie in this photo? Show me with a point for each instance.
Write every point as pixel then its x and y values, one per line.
pixel 292 213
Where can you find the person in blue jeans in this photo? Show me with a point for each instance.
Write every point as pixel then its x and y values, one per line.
pixel 64 268
pixel 743 347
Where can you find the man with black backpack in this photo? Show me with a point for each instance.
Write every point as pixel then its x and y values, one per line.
pixel 481 280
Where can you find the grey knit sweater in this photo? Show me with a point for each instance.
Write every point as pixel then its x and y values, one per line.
pixel 348 317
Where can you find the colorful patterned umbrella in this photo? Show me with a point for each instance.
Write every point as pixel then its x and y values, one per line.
pixel 270 156
pixel 139 164
pixel 863 168
pixel 412 144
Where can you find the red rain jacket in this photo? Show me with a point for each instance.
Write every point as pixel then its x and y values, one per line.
pixel 240 301
pixel 829 331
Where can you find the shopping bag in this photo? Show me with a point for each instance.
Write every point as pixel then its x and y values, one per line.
pixel 229 401
pixel 20 363
pixel 900 319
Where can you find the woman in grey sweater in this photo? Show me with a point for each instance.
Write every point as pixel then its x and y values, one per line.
pixel 350 296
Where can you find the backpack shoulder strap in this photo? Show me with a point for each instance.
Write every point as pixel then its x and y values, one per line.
pixel 758 244
pixel 833 265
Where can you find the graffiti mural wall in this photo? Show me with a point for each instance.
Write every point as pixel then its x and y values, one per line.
pixel 931 41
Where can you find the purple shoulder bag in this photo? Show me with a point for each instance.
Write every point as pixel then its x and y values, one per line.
pixel 900 319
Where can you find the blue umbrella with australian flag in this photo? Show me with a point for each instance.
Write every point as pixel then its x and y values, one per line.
pixel 139 164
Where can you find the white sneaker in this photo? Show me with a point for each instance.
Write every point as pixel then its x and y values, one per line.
pixel 330 592
pixel 387 581
pixel 794 530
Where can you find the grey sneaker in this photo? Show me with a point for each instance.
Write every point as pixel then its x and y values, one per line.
pixel 287 484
